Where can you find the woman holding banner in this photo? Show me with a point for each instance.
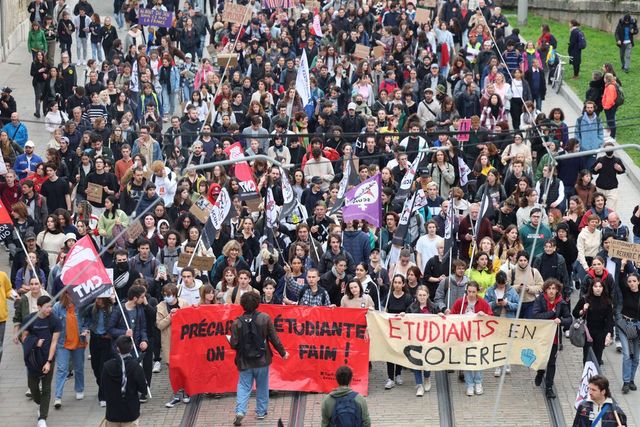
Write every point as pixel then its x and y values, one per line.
pixel 550 305
pixel 422 305
pixel 398 303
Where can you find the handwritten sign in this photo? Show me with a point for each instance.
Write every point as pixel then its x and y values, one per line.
pixel 155 17
pixel 236 13
pixel 202 263
pixel 312 5
pixel 423 16
pixel 429 3
pixel 378 52
pixel 463 130
pixel 227 58
pixel 624 250
pixel 201 209
pixel 362 51
pixel 94 192
pixel 135 230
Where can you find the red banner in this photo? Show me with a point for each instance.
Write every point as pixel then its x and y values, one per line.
pixel 318 339
pixel 242 172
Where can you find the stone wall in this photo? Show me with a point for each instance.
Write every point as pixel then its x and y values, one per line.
pixel 14 25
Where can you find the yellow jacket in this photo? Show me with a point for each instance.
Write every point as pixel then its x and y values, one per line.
pixel 5 294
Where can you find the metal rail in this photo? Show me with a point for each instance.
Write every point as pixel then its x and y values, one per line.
pixel 556 417
pixel 597 151
pixel 298 408
pixel 190 414
pixel 445 403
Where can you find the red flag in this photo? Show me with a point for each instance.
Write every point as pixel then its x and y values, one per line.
pixel 5 218
pixel 243 172
pixel 84 273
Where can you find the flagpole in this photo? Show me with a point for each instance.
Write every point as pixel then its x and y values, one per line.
pixel 135 349
pixel 26 254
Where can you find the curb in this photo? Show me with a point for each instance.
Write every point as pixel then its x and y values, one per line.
pixel 633 171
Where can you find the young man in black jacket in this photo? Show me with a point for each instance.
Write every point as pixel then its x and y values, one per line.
pixel 122 381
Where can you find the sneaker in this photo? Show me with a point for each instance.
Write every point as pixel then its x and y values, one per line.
pixel 632 386
pixel 261 416
pixel 625 388
pixel 497 372
pixel 469 391
pixel 419 390
pixel 157 367
pixel 538 379
pixel 143 398
pixel 28 393
pixel 79 396
pixel 566 334
pixel 399 380
pixel 507 369
pixel 186 398
pixel 479 389
pixel 550 393
pixel 237 421
pixel 42 423
pixel 618 346
pixel 103 403
pixel 390 384
pixel 173 402
pixel 427 384
pixel 57 403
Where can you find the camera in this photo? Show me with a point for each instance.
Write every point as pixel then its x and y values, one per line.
pixel 271 260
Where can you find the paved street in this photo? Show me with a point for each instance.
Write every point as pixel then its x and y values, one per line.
pixel 521 404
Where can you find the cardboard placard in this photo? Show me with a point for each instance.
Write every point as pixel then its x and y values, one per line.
pixel 201 209
pixel 202 263
pixel 312 5
pixel 227 58
pixel 253 204
pixel 362 51
pixel 378 52
pixel 211 49
pixel 624 250
pixel 236 13
pixel 155 17
pixel 135 230
pixel 423 16
pixel 94 192
pixel 429 3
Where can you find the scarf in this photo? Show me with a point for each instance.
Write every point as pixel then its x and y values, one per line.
pixel 335 273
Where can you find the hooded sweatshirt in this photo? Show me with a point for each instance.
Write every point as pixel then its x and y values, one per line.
pixel 123 380
pixel 329 403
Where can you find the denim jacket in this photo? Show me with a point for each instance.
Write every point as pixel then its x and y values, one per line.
pixel 61 313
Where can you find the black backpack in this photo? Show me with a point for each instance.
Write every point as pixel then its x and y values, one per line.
pixel 251 343
pixel 346 412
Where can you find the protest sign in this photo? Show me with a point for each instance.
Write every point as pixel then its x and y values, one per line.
pixel 202 263
pixel 155 17
pixel 466 342
pixel 318 339
pixel 201 209
pixel 590 369
pixel 463 130
pixel 378 52
pixel 428 3
pixel 135 230
pixel 362 51
pixel 423 16
pixel 624 250
pixel 236 13
pixel 230 59
pixel 94 192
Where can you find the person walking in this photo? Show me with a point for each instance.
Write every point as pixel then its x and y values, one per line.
pixel 6 293
pixel 625 30
pixel 550 305
pixel 577 42
pixel 122 381
pixel 39 343
pixel 599 409
pixel 354 410
pixel 251 334
pixel 608 167
pixel 597 309
pixel 628 317
pixel 610 104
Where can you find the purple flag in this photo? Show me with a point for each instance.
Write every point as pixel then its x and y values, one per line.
pixel 363 202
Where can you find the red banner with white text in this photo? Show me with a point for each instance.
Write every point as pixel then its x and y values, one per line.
pixel 318 339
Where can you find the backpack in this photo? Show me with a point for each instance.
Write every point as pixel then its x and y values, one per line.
pixel 552 41
pixel 305 288
pixel 346 412
pixel 582 40
pixel 251 344
pixel 619 96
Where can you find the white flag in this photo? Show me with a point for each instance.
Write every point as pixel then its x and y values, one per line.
pixel 271 210
pixel 303 87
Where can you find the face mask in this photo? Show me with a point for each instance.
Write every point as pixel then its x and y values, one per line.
pixel 359 102
pixel 169 299
pixel 122 265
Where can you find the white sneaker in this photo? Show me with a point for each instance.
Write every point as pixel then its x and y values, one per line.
pixel 28 393
pixel 42 423
pixel 419 390
pixel 57 403
pixel 469 391
pixel 157 367
pixel 618 346
pixel 79 396
pixel 497 372
pixel 103 403
pixel 566 333
pixel 427 384
pixel 479 389
pixel 508 369
pixel 390 384
pixel 399 380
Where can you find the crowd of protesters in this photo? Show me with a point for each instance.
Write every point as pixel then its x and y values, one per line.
pixel 132 141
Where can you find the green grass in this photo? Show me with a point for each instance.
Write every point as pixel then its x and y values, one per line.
pixel 601 48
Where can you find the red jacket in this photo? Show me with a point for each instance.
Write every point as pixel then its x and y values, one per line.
pixel 460 306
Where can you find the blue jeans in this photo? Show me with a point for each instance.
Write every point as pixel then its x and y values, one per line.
pixel 97 52
pixel 472 377
pixel 62 369
pixel 526 312
pixel 119 19
pixel 81 49
pixel 245 383
pixel 200 48
pixel 168 101
pixel 611 121
pixel 636 239
pixel 538 100
pixel 629 349
pixel 420 375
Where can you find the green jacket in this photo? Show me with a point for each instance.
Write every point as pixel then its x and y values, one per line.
pixel 329 401
pixel 37 41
